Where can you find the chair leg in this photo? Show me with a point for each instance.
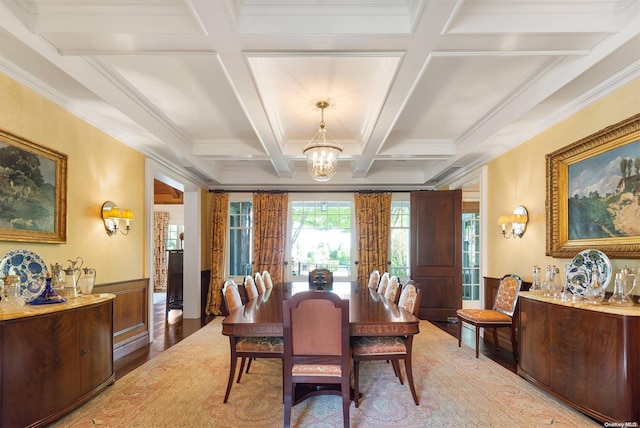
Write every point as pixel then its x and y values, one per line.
pixel 244 360
pixel 477 339
pixel 288 401
pixel 232 372
pixel 459 331
pixel 249 364
pixel 396 368
pixel 346 401
pixel 356 382
pixel 514 343
pixel 495 338
pixel 409 370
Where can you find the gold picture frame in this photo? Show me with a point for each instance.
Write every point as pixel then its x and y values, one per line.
pixel 33 191
pixel 588 203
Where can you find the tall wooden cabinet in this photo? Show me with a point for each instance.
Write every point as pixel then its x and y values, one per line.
pixel 174 280
pixel 52 362
pixel 588 357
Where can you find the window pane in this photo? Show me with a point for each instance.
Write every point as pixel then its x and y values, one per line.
pixel 399 239
pixel 321 237
pixel 240 238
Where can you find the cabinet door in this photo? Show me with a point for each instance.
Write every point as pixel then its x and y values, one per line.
pixel 534 339
pixel 40 368
pixel 95 337
pixel 584 357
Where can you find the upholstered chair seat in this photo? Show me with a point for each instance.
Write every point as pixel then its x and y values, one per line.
pixel 373 345
pixel 484 316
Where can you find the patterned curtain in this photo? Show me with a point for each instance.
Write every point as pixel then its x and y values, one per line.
pixel 269 233
pixel 219 216
pixel 373 218
pixel 160 232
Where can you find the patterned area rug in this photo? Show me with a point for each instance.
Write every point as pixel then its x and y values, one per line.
pixel 184 387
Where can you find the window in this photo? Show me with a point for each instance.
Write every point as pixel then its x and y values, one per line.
pixel 173 237
pixel 399 239
pixel 240 238
pixel 470 256
pixel 321 237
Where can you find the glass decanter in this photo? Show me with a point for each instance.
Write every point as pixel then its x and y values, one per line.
pixel 594 294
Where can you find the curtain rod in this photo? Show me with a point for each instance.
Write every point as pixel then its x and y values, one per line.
pixel 314 191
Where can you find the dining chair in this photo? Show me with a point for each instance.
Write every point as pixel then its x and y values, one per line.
pixel 321 279
pixel 246 347
pixel 384 282
pixel 392 292
pixel 501 315
pixel 250 287
pixel 316 346
pixel 374 279
pixel 259 281
pixel 393 348
pixel 266 276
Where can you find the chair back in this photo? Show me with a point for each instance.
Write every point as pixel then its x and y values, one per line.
pixel 374 279
pixel 392 291
pixel 260 283
pixel 410 298
pixel 231 295
pixel 507 295
pixel 250 287
pixel 266 277
pixel 384 282
pixel 316 329
pixel 323 277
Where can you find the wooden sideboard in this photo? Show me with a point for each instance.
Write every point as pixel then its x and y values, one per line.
pixel 587 356
pixel 54 358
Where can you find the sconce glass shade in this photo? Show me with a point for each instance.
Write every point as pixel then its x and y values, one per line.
pixel 518 221
pixel 322 155
pixel 111 215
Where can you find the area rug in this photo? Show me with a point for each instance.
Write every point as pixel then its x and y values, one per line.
pixel 184 387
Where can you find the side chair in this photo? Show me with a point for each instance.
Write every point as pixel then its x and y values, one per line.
pixel 266 276
pixel 501 315
pixel 392 293
pixel 259 281
pixel 250 287
pixel 384 282
pixel 246 347
pixel 316 346
pixel 393 348
pixel 374 279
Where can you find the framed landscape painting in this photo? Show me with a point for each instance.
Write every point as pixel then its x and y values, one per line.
pixel 33 191
pixel 593 193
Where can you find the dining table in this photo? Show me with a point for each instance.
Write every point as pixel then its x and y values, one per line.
pixel 370 314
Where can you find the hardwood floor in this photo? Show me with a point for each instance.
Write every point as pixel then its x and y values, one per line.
pixel 170 328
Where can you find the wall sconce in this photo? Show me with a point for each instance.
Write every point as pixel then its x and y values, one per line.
pixel 111 215
pixel 518 221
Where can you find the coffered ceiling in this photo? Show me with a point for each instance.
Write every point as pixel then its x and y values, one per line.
pixel 224 91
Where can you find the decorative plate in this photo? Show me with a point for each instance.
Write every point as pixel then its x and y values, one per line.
pixel 579 272
pixel 30 269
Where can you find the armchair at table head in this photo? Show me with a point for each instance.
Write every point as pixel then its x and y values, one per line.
pixel 316 345
pixel 374 279
pixel 501 315
pixel 384 282
pixel 320 279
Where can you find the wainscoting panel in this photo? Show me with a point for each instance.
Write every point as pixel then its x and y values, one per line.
pixel 130 314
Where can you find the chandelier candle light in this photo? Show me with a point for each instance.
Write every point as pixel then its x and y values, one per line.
pixel 322 155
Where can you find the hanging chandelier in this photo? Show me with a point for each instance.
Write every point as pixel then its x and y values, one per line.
pixel 322 155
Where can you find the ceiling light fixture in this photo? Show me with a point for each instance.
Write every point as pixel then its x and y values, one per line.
pixel 322 155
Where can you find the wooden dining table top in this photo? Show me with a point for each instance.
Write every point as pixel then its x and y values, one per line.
pixel 370 314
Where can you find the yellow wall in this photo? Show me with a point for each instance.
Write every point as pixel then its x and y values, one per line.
pixel 99 169
pixel 518 178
